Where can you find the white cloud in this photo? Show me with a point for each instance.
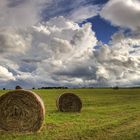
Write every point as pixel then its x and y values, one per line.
pixel 5 75
pixel 11 41
pixel 20 12
pixel 121 59
pixel 60 52
pixel 78 10
pixel 23 13
pixel 45 49
pixel 123 13
pixel 84 12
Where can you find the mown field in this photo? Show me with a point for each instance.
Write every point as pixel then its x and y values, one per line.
pixel 107 114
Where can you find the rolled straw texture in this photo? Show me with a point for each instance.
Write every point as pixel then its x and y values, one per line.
pixel 69 102
pixel 21 111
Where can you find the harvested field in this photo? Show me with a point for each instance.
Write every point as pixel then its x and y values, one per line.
pixel 106 114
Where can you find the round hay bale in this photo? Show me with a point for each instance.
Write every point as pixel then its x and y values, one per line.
pixel 18 87
pixel 69 102
pixel 21 111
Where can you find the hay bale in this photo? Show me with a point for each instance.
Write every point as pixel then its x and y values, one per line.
pixel 69 102
pixel 21 111
pixel 18 87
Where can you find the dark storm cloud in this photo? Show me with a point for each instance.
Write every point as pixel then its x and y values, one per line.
pixel 82 72
pixel 2 43
pixel 14 3
pixel 31 60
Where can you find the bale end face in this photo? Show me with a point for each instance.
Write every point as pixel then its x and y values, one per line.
pixel 18 87
pixel 69 102
pixel 21 111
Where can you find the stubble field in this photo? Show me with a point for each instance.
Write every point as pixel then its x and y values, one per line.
pixel 107 114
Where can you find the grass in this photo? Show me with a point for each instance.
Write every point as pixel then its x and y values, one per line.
pixel 107 114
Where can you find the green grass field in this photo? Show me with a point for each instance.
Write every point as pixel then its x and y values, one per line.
pixel 107 114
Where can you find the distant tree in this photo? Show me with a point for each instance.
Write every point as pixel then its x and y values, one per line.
pixel 33 87
pixel 3 88
pixel 53 88
pixel 116 87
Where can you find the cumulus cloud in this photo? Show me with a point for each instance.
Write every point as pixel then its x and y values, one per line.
pixel 20 12
pixel 44 50
pixel 61 53
pixel 11 41
pixel 123 13
pixel 116 65
pixel 5 75
pixel 124 58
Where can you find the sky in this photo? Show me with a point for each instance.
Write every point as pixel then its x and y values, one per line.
pixel 81 43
